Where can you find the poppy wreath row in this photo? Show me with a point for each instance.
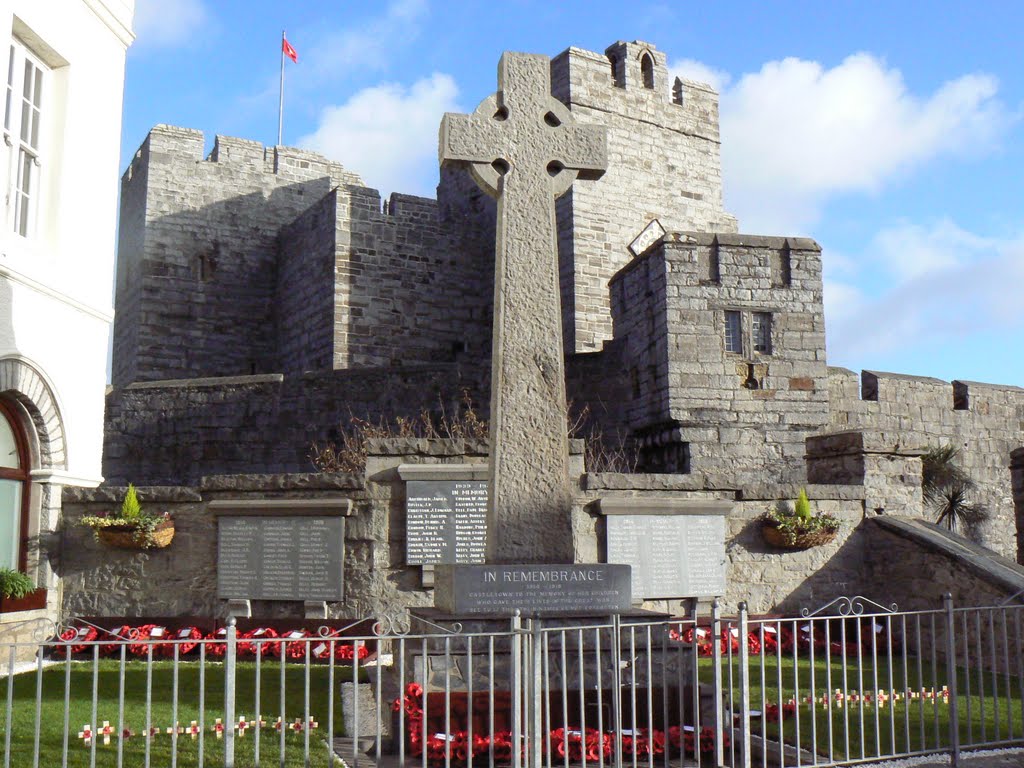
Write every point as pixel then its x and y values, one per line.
pixel 262 641
pixel 577 744
pixel 776 638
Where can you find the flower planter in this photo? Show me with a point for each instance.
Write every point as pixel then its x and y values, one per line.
pixel 776 538
pixel 131 537
pixel 33 601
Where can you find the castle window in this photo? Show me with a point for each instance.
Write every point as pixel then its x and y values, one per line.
pixel 733 332
pixel 23 109
pixel 14 491
pixel 647 70
pixel 761 330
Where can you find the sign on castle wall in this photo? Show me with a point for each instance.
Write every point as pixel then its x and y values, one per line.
pixel 445 522
pixel 673 556
pixel 651 234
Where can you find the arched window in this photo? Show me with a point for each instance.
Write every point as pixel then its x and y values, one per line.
pixel 647 70
pixel 14 490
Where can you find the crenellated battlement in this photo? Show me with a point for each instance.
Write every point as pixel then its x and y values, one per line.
pixel 173 144
pixel 738 262
pixel 632 79
pixel 900 394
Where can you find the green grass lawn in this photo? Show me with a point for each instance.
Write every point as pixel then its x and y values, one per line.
pixel 107 680
pixel 866 729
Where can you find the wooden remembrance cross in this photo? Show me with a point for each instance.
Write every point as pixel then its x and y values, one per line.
pixel 523 147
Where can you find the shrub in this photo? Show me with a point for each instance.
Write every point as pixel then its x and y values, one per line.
pixel 15 584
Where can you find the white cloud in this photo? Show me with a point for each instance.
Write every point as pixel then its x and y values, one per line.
pixel 690 69
pixel 163 23
pixel 370 45
pixel 388 133
pixel 911 250
pixel 939 283
pixel 795 135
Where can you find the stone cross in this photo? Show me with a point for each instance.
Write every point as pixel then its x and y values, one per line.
pixel 524 148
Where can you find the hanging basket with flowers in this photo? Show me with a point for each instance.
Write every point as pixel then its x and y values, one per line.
pixel 132 528
pixel 797 527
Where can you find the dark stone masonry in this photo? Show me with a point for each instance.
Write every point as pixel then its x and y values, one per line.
pixel 265 297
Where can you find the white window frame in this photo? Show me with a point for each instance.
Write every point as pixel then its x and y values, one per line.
pixel 25 153
pixel 761 333
pixel 729 340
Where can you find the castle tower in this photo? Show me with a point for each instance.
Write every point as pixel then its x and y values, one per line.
pixel 664 164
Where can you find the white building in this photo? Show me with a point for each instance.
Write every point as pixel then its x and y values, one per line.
pixel 63 63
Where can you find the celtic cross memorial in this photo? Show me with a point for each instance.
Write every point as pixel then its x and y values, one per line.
pixel 523 147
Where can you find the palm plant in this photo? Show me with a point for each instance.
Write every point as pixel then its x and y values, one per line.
pixel 948 490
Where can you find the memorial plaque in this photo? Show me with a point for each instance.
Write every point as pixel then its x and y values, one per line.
pixel 671 555
pixel 445 521
pixel 535 590
pixel 280 558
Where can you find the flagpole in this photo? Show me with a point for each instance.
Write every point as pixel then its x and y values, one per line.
pixel 280 105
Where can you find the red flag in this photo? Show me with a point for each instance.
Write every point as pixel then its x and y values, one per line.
pixel 288 51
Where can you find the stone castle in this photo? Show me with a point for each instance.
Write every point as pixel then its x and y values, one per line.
pixel 265 295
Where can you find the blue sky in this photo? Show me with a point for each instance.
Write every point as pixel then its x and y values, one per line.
pixel 892 133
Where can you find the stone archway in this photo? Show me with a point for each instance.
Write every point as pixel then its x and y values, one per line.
pixel 23 383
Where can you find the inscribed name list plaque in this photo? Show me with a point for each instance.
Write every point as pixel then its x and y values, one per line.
pixel 536 590
pixel 280 558
pixel 671 555
pixel 445 521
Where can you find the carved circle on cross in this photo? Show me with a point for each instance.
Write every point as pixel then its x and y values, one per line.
pixel 488 175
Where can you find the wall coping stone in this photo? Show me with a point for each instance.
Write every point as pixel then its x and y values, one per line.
pixel 999 571
pixel 905 377
pixel 856 442
pixel 743 241
pixel 341 507
pixel 423 446
pixel 838 369
pixel 114 494
pixel 443 471
pixel 441 446
pixel 986 385
pixel 789 491
pixel 292 481
pixel 209 381
pixel 374 372
pixel 622 481
pixel 641 505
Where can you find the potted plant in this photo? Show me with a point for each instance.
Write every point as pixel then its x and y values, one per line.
pixel 132 528
pixel 797 527
pixel 18 593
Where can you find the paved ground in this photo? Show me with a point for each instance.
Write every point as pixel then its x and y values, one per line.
pixel 995 758
pixel 24 666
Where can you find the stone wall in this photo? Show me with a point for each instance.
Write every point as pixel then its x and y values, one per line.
pixel 175 432
pixel 181 579
pixel 663 162
pixel 768 579
pixel 305 288
pixel 865 558
pixel 746 412
pixel 405 289
pixel 199 284
pixel 984 421
pixel 914 564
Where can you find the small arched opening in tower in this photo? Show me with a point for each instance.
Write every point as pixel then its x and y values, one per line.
pixel 647 70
